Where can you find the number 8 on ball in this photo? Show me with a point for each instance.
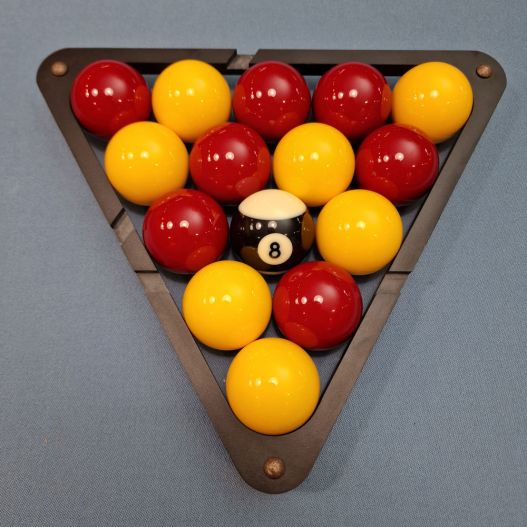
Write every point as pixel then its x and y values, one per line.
pixel 272 231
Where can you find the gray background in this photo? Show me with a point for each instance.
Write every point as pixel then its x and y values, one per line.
pixel 98 423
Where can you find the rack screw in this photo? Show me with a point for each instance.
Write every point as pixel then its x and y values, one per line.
pixel 274 468
pixel 59 69
pixel 484 71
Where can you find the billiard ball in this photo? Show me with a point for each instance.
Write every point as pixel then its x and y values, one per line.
pixel 145 161
pixel 190 97
pixel 434 97
pixel 398 162
pixel 272 231
pixel 354 98
pixel 271 97
pixel 272 386
pixel 360 231
pixel 107 95
pixel 185 231
pixel 317 305
pixel 315 162
pixel 227 305
pixel 230 162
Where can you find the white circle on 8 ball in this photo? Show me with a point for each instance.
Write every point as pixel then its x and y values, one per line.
pixel 275 248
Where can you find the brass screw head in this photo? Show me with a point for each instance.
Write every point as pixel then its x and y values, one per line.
pixel 59 68
pixel 484 71
pixel 274 468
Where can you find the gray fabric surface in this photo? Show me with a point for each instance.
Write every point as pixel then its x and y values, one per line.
pixel 98 423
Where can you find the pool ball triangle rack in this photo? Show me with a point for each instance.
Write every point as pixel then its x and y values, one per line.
pixel 272 464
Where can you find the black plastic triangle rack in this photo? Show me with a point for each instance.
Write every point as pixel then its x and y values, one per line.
pixel 273 464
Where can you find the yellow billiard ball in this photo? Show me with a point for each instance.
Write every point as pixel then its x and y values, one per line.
pixel 359 230
pixel 145 161
pixel 190 97
pixel 315 162
pixel 434 97
pixel 227 305
pixel 273 386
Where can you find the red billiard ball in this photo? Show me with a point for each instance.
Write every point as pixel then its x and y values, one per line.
pixel 230 162
pixel 107 95
pixel 354 98
pixel 317 305
pixel 271 97
pixel 398 162
pixel 185 231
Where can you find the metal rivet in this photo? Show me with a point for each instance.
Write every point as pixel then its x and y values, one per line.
pixel 274 468
pixel 484 71
pixel 59 69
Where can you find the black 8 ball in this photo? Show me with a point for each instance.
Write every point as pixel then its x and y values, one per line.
pixel 272 231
